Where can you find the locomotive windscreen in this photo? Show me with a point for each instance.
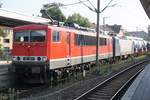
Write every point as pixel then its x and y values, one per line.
pixel 22 36
pixel 30 36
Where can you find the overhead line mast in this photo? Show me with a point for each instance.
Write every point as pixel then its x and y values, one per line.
pixel 97 33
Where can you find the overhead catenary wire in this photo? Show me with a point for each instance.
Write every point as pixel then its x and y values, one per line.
pixel 106 6
pixel 94 10
pixel 74 3
pixel 60 5
pixel 92 4
pixel 70 4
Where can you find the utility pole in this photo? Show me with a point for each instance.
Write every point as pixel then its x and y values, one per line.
pixel 104 24
pixel 97 35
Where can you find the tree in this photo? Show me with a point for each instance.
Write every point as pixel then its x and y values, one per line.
pixel 1 4
pixel 77 18
pixel 2 33
pixel 127 34
pixel 54 11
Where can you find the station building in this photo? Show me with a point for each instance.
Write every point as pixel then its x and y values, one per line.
pixel 6 40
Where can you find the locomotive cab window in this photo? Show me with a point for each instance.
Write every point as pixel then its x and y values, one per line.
pixel 56 36
pixel 37 36
pixel 22 36
pixel 30 36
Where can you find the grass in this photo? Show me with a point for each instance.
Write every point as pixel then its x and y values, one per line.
pixel 148 54
pixel 109 68
pixel 5 57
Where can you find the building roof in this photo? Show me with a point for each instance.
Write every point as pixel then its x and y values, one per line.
pixel 146 6
pixel 140 34
pixel 12 19
pixel 111 28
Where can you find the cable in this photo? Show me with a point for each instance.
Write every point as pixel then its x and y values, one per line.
pixel 45 11
pixel 94 10
pixel 61 5
pixel 91 4
pixel 106 6
pixel 74 3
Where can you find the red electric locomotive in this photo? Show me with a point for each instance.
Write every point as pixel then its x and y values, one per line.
pixel 41 50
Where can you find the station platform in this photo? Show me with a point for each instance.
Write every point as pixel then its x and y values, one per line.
pixel 4 62
pixel 140 88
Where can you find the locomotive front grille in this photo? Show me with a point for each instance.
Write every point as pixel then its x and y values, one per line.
pixel 30 58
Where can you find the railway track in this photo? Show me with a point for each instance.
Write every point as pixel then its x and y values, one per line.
pixel 65 93
pixel 7 79
pixel 26 91
pixel 111 88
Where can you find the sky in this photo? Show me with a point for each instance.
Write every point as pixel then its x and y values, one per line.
pixel 128 13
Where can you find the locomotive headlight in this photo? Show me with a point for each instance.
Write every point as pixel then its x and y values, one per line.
pixel 44 58
pixel 39 58
pixel 18 58
pixel 14 58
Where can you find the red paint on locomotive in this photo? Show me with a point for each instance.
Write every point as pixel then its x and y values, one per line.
pixel 56 50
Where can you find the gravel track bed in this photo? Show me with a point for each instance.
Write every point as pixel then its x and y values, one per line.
pixel 71 90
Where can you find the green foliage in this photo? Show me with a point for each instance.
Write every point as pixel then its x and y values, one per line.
pixel 127 34
pixel 2 33
pixel 54 11
pixel 1 51
pixel 77 18
pixel 148 37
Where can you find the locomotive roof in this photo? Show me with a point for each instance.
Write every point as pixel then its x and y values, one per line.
pixel 79 31
pixel 69 29
pixel 30 27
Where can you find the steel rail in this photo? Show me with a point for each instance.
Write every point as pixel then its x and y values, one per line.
pixel 109 79
pixel 118 93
